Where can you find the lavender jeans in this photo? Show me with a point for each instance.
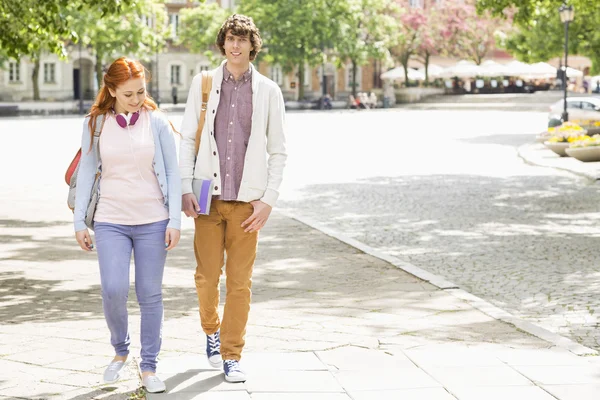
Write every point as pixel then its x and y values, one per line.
pixel 115 244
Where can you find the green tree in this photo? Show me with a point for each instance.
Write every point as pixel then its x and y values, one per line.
pixel 199 28
pixel 367 31
pixel 540 33
pixel 296 32
pixel 25 22
pixel 142 33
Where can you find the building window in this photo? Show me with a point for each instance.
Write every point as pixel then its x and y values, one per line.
pixel 415 3
pixel 349 77
pixel 174 22
pixel 175 74
pixel 14 72
pixel 307 75
pixel 49 72
pixel 276 74
pixel 148 21
pixel 203 67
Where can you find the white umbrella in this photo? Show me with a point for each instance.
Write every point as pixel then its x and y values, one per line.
pixel 398 73
pixel 433 70
pixel 573 73
pixel 490 68
pixel 517 68
pixel 463 69
pixel 543 68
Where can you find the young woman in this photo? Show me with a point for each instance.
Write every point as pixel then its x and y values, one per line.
pixel 138 210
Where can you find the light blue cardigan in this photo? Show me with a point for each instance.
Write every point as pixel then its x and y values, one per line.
pixel 166 169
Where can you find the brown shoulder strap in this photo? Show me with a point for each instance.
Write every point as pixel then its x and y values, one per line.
pixel 206 87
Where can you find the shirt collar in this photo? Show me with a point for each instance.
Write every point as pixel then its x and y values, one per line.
pixel 228 76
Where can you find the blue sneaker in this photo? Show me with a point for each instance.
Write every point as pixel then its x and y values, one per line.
pixel 233 373
pixel 213 349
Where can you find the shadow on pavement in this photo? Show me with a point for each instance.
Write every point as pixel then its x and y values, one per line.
pixel 521 242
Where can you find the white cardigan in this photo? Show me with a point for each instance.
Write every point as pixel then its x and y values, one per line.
pixel 260 179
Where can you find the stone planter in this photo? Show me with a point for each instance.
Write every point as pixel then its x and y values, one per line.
pixel 559 147
pixel 585 154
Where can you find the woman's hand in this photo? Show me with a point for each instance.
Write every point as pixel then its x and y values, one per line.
pixel 171 238
pixel 85 240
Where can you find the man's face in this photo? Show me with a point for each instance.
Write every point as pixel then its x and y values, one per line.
pixel 237 49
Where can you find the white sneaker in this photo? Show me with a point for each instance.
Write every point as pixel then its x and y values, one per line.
pixel 153 384
pixel 233 372
pixel 213 349
pixel 112 373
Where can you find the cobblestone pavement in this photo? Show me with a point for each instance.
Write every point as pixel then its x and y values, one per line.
pixel 446 192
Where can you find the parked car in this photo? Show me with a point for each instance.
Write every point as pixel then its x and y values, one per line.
pixel 584 111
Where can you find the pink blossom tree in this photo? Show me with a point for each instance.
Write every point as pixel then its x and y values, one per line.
pixel 411 27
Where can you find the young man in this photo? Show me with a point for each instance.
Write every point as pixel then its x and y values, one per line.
pixel 242 150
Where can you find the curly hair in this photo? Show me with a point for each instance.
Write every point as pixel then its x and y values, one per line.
pixel 240 25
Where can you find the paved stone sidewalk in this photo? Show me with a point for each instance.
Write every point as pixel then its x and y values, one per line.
pixel 537 154
pixel 327 322
pixel 359 324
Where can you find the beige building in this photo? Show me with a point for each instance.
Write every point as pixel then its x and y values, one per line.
pixel 61 80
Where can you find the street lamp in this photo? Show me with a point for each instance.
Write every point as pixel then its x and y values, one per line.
pixel 567 13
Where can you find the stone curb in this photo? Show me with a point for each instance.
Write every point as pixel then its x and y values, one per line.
pixel 536 154
pixel 451 288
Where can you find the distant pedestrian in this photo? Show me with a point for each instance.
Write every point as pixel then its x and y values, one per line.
pixel 174 94
pixel 139 210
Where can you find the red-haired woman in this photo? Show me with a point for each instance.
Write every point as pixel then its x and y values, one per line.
pixel 138 209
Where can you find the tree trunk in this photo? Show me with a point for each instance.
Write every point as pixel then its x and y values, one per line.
pixel 404 60
pixel 35 74
pixel 353 78
pixel 99 73
pixel 427 56
pixel 301 81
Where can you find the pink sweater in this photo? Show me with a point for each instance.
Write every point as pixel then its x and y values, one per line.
pixel 129 191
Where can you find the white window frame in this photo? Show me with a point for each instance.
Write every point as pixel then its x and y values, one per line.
pixel 148 21
pixel 49 72
pixel 179 75
pixel 14 72
pixel 276 74
pixel 349 77
pixel 307 75
pixel 174 24
pixel 203 66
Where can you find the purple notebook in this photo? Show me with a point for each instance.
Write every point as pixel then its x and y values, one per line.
pixel 203 190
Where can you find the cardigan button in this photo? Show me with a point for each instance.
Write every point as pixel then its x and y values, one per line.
pixel 214 153
pixel 216 188
pixel 217 91
pixel 213 111
pixel 215 175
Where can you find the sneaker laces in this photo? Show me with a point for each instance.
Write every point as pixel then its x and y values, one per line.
pixel 214 343
pixel 152 379
pixel 233 365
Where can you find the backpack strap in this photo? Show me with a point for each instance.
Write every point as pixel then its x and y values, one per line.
pixel 97 131
pixel 206 87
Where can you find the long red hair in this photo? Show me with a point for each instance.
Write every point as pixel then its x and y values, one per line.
pixel 119 72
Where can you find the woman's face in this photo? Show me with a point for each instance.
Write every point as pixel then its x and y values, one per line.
pixel 130 95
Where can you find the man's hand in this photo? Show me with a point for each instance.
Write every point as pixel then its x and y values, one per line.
pixel 85 240
pixel 189 205
pixel 259 217
pixel 171 238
